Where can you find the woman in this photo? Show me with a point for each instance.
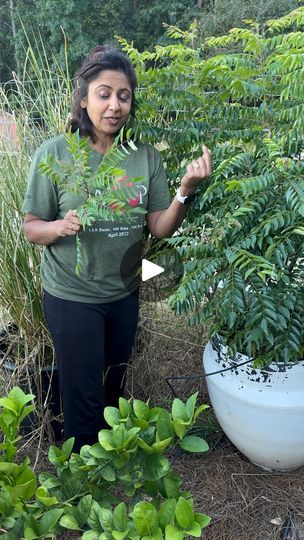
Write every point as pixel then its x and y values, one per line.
pixel 92 317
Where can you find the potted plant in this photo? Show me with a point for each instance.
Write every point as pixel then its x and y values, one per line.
pixel 242 247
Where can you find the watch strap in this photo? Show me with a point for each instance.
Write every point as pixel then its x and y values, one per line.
pixel 185 199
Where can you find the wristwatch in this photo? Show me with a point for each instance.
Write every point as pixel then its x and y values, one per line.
pixel 187 199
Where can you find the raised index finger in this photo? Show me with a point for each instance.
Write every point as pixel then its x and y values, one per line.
pixel 207 157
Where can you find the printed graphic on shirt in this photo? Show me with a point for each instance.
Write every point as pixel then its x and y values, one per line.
pixel 112 229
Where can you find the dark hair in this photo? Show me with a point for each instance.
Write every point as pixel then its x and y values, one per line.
pixel 99 59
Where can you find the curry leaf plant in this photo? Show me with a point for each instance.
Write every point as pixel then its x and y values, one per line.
pixel 120 488
pixel 105 192
pixel 242 244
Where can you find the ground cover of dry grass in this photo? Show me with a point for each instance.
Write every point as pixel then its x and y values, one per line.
pixel 245 502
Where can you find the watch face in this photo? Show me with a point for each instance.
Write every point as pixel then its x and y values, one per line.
pixel 190 198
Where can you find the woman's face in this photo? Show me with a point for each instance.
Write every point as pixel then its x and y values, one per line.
pixel 108 103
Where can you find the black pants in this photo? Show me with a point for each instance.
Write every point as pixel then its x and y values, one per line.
pixel 93 344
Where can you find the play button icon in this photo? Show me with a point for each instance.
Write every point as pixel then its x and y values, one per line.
pixel 150 270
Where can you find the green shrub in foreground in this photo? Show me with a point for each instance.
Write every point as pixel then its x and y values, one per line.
pixel 120 488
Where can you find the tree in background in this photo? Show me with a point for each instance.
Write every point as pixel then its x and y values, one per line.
pixel 84 24
pixel 139 21
pixel 216 17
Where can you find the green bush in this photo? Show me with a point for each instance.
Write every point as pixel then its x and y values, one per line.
pixel 242 244
pixel 120 488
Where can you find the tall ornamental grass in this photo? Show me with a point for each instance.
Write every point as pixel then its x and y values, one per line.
pixel 38 101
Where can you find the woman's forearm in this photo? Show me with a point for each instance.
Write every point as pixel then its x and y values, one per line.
pixel 169 220
pixel 41 232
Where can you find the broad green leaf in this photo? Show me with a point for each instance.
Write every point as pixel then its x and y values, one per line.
pixel 83 509
pixel 195 530
pixel 119 436
pixel 154 413
pixel 156 467
pixel 49 481
pixel 142 444
pixel 179 411
pixel 179 428
pixel 43 496
pixel 105 518
pixel 98 452
pixel 157 535
pixel 112 416
pixel 172 482
pixel 105 536
pixel 199 410
pixel 19 396
pixel 132 435
pixel 160 446
pixel 119 535
pixel 193 443
pixel 164 427
pixel 24 484
pixel 93 519
pixel 9 404
pixel 167 513
pixel 108 473
pixel 49 520
pixel 69 522
pixel 141 409
pixel 105 439
pixel 26 411
pixel 145 518
pixel 67 447
pixel 124 407
pixel 10 468
pixel 202 519
pixel 142 424
pixel 55 456
pixel 29 534
pixel 173 533
pixel 89 535
pixel 190 405
pixel 120 517
pixel 184 514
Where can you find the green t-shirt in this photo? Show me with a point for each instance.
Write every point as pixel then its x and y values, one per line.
pixel 111 250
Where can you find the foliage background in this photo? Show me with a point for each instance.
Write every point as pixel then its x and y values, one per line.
pixel 87 23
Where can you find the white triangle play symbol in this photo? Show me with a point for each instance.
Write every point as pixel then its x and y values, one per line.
pixel 150 270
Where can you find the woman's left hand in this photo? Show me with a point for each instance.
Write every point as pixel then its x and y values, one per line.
pixel 196 171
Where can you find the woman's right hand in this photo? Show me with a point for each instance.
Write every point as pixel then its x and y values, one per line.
pixel 43 232
pixel 69 225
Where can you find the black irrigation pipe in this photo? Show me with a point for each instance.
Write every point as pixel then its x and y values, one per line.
pixel 289 529
pixel 200 375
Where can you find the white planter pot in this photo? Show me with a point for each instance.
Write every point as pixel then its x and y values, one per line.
pixel 261 411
